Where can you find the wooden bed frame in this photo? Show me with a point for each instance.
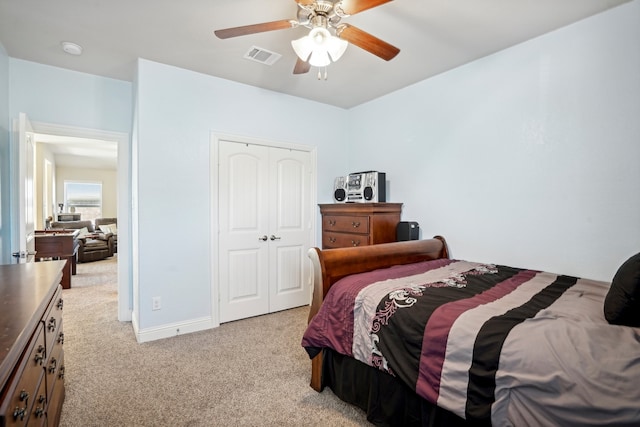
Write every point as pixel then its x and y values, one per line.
pixel 331 265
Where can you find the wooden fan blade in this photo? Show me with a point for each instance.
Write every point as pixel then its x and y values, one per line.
pixel 367 42
pixel 301 67
pixel 255 28
pixel 351 7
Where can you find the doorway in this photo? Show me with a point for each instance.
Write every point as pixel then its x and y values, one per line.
pixel 120 142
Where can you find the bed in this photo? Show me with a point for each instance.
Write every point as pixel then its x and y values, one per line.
pixel 416 338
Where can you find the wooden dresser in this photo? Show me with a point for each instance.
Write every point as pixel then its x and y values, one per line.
pixel 359 224
pixel 31 338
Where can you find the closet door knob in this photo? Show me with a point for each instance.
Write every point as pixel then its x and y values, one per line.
pixel 274 237
pixel 263 238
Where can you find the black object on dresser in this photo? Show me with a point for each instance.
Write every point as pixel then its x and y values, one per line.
pixel 407 230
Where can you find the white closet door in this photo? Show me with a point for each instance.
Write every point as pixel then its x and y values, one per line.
pixel 265 216
pixel 244 222
pixel 289 228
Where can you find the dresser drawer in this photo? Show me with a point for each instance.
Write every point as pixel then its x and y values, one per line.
pixel 346 223
pixel 38 411
pixel 343 240
pixel 54 363
pixel 53 321
pixel 56 395
pixel 24 384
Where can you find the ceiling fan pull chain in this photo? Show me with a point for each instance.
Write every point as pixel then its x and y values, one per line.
pixel 320 73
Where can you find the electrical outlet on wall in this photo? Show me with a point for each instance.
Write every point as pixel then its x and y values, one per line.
pixel 156 303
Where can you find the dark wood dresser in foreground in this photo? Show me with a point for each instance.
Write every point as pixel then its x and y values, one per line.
pixel 31 339
pixel 359 224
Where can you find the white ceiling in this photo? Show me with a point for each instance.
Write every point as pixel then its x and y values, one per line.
pixel 81 153
pixel 434 36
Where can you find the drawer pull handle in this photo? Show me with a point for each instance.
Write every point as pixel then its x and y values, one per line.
pixel 61 372
pixel 39 355
pixel 61 338
pixel 332 222
pixel 355 224
pixel 24 395
pixel 52 365
pixel 39 412
pixel 52 324
pixel 19 413
pixel 60 304
pixel 332 239
pixel 355 243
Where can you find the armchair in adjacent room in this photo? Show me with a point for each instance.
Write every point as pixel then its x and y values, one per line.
pixel 109 225
pixel 92 245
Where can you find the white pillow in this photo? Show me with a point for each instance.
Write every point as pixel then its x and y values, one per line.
pixel 109 228
pixel 113 228
pixel 83 232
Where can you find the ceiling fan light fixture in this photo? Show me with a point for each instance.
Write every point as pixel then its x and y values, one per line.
pixel 319 47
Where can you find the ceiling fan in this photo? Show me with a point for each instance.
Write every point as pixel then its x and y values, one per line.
pixel 320 47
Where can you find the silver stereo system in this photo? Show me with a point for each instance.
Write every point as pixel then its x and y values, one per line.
pixel 360 187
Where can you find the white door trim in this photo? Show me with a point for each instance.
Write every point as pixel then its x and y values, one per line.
pixel 125 287
pixel 214 161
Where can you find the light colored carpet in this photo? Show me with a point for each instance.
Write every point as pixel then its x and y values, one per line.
pixel 252 372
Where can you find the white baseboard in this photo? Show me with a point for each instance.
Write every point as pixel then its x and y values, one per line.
pixel 172 330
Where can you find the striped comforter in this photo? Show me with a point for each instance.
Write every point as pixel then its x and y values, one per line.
pixel 488 342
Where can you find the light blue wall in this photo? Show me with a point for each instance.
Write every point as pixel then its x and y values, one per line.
pixel 528 157
pixel 5 224
pixel 62 97
pixel 177 111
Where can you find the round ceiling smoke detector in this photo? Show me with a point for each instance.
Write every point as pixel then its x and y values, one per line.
pixel 72 48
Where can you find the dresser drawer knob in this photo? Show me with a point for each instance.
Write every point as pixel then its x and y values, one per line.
pixel 61 372
pixel 60 304
pixel 39 355
pixel 332 239
pixel 332 222
pixel 19 413
pixel 52 365
pixel 24 395
pixel 52 324
pixel 61 338
pixel 355 242
pixel 355 224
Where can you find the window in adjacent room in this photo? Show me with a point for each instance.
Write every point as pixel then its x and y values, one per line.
pixel 84 198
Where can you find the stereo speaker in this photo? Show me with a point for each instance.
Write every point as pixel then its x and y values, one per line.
pixel 407 230
pixel 340 189
pixel 374 187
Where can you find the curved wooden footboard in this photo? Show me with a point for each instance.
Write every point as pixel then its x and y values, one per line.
pixel 331 265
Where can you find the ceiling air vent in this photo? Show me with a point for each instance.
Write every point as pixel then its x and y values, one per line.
pixel 261 55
